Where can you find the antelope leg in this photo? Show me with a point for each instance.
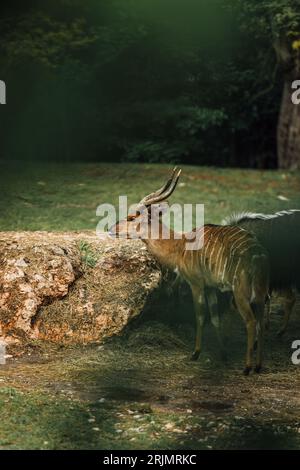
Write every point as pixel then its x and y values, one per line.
pixel 212 301
pixel 247 314
pixel 289 302
pixel 199 306
pixel 260 326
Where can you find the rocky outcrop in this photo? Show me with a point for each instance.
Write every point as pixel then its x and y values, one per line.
pixel 71 287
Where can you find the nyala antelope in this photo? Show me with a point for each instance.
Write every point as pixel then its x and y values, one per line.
pixel 279 235
pixel 230 259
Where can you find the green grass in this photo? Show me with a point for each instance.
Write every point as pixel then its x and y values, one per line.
pixel 65 197
pixel 88 257
pixel 37 420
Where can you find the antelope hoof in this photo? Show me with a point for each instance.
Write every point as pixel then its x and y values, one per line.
pixel 258 368
pixel 195 355
pixel 247 370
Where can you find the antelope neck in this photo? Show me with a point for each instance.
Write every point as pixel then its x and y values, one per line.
pixel 168 252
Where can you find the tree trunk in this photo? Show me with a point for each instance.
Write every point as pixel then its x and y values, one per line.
pixel 288 131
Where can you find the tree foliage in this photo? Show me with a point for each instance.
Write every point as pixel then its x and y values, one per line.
pixel 145 80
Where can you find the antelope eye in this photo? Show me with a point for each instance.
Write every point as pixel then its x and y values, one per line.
pixel 130 218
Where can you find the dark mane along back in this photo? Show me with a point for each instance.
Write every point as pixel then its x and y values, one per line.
pixel 237 217
pixel 279 234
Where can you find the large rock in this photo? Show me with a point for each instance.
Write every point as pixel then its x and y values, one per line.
pixel 71 287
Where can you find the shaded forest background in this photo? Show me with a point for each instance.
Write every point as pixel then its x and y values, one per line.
pixel 197 82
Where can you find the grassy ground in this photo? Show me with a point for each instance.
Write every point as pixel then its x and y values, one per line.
pixel 141 390
pixel 65 197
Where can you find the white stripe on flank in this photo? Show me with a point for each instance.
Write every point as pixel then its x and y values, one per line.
pixel 242 236
pixel 219 267
pixel 212 252
pixel 234 234
pixel 253 245
pixel 224 269
pixel 235 247
pixel 218 257
pixel 237 250
pixel 205 249
pixel 232 248
pixel 241 244
pixel 219 254
pixel 235 272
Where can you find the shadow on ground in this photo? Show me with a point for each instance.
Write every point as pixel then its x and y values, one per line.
pixel 141 391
